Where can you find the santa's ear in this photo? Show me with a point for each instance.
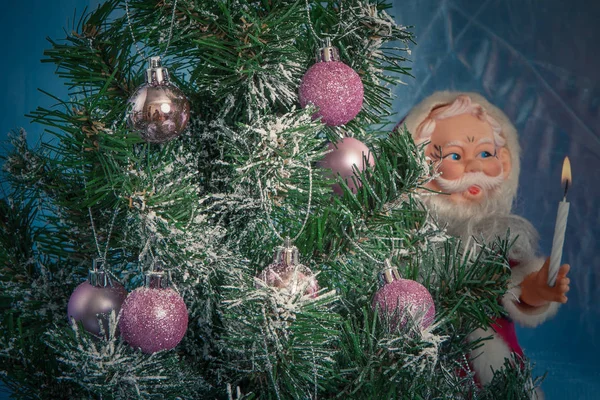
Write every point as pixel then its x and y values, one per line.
pixel 504 157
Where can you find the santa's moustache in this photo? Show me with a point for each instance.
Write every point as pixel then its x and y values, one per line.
pixel 470 179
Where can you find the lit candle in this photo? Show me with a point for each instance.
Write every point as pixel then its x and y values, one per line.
pixel 560 227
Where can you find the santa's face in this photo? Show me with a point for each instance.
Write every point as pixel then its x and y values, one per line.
pixel 472 167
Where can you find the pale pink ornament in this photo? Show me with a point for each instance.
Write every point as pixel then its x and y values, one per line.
pixel 93 300
pixel 343 157
pixel 287 273
pixel 153 317
pixel 403 297
pixel 332 87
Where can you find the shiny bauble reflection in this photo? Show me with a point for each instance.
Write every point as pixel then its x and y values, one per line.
pixel 343 157
pixel 288 274
pixel 90 304
pixel 292 278
pixel 158 113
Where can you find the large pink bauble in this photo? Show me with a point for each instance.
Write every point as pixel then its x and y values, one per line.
pixel 153 319
pixel 292 277
pixel 90 303
pixel 343 157
pixel 335 89
pixel 405 296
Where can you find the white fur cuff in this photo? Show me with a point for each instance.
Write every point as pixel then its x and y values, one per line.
pixel 527 316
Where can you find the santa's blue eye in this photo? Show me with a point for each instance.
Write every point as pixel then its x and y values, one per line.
pixel 485 154
pixel 454 156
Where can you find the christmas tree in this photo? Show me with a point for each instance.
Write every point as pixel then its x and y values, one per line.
pixel 256 205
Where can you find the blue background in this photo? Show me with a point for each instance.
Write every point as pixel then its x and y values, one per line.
pixel 537 59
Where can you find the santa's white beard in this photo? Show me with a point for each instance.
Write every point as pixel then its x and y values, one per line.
pixel 484 221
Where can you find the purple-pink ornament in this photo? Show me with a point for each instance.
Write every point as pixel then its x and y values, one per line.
pixel 153 318
pixel 398 298
pixel 94 300
pixel 288 274
pixel 332 87
pixel 343 157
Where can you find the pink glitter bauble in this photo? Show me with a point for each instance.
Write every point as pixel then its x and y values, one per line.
pixel 290 277
pixel 153 319
pixel 335 89
pixel 405 296
pixel 343 157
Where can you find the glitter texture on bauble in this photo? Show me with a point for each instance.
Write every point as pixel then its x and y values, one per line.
pixel 399 297
pixel 154 317
pixel 288 274
pixel 343 157
pixel 333 88
pixel 93 300
pixel 159 111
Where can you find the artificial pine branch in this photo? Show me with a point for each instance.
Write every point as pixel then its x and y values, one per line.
pixel 109 369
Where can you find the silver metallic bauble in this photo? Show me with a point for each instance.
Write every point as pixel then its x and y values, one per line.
pixel 95 299
pixel 159 111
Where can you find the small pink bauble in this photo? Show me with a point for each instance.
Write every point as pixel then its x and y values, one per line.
pixel 343 157
pixel 334 89
pixel 290 277
pixel 153 319
pixel 405 296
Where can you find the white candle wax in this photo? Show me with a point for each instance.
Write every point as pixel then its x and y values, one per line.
pixel 558 241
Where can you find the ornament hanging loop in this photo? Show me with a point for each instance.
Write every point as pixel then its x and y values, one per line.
pixel 287 254
pixel 139 52
pixel 328 52
pixel 312 28
pixel 156 74
pixel 389 273
pixel 267 208
pixel 157 278
pixel 98 264
pixel 98 276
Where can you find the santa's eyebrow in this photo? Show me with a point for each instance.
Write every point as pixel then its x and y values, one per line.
pixel 485 140
pixel 455 143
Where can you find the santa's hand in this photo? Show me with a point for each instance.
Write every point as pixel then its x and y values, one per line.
pixel 536 292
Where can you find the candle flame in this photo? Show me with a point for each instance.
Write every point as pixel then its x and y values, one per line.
pixel 566 172
pixel 566 175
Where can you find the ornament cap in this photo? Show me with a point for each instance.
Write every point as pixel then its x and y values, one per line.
pixel 156 74
pixel 287 254
pixel 389 273
pixel 328 52
pixel 156 278
pixel 98 276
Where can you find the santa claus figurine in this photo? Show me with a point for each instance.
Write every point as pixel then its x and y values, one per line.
pixel 476 152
